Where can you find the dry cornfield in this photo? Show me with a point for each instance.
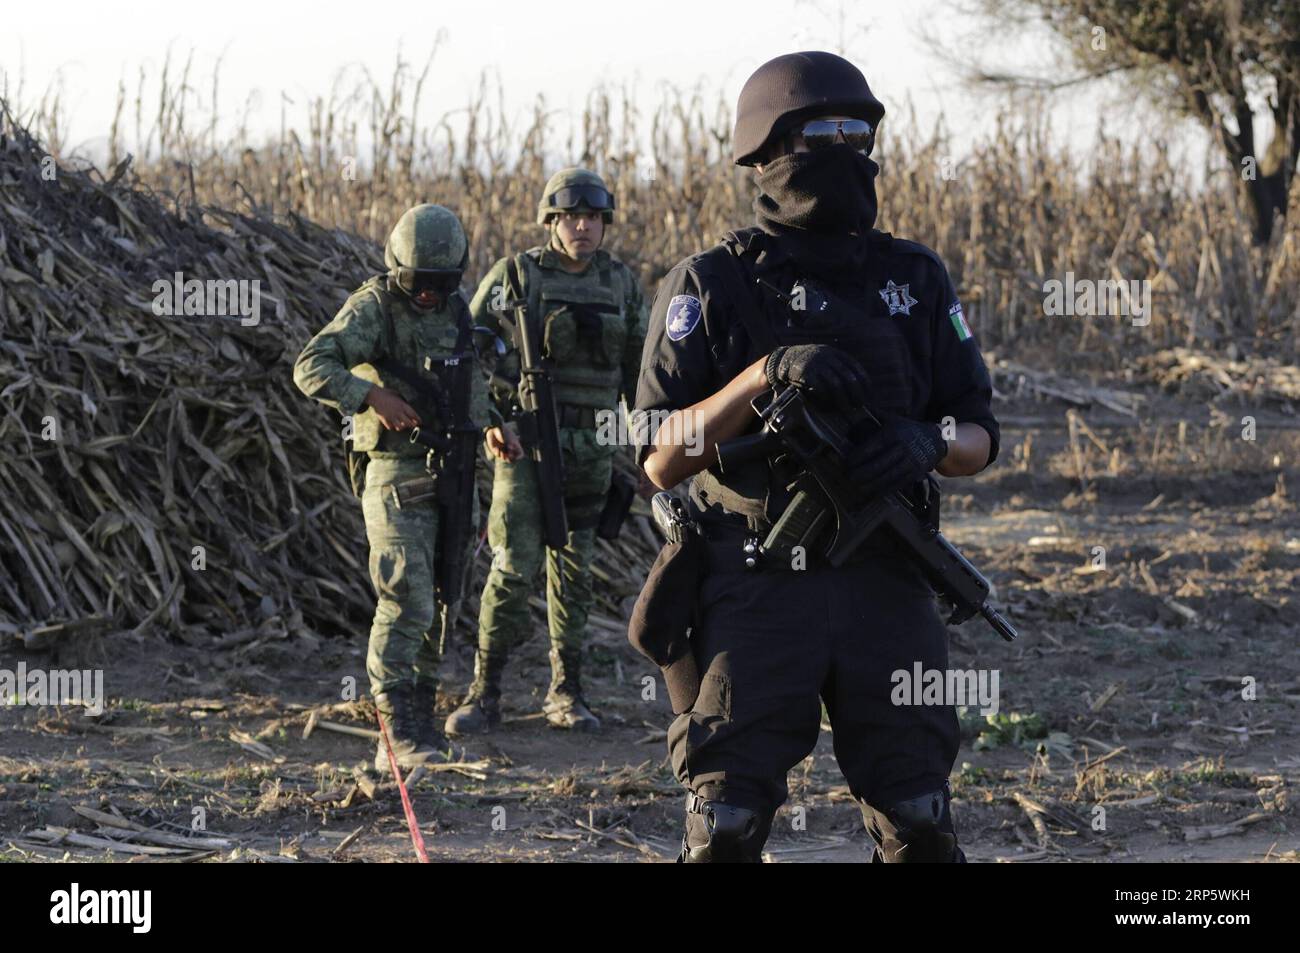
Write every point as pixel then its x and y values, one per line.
pixel 1007 213
pixel 171 434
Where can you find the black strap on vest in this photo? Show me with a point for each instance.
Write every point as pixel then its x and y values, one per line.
pixel 748 302
pixel 745 246
pixel 747 297
pixel 742 288
pixel 464 358
pixel 514 280
pixel 452 409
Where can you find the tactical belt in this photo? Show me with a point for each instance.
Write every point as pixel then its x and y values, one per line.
pixel 573 416
pixel 734 549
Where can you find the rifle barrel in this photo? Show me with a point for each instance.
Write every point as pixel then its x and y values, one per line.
pixel 1001 625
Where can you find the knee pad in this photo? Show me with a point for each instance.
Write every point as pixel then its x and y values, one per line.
pixel 917 830
pixel 723 833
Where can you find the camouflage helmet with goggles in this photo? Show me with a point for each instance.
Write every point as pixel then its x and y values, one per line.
pixel 427 246
pixel 575 190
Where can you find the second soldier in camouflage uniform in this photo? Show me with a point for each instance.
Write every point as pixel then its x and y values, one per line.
pixel 592 319
pixel 396 339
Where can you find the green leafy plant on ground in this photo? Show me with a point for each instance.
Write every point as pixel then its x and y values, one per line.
pixel 1027 730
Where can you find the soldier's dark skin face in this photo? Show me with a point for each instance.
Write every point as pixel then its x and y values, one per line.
pixel 577 236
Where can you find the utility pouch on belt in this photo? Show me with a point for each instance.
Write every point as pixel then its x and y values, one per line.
pixel 622 490
pixel 665 609
pixel 421 489
pixel 356 461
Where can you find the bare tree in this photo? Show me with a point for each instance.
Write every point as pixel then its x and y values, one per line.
pixel 1227 64
pixel 844 21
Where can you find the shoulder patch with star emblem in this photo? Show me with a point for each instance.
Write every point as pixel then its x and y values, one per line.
pixel 898 298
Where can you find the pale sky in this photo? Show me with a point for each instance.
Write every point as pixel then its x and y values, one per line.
pixel 561 50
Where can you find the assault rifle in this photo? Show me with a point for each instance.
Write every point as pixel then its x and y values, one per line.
pixel 539 430
pixel 828 514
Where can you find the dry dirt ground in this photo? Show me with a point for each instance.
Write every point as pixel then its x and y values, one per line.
pixel 1125 733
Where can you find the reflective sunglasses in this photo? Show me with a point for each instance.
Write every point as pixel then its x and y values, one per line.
pixel 440 280
pixel 858 134
pixel 592 196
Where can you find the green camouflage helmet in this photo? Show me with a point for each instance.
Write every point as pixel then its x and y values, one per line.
pixel 572 190
pixel 427 237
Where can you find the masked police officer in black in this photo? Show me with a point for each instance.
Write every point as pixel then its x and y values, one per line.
pixel 816 298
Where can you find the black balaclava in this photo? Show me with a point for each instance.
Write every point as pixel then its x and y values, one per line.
pixel 821 205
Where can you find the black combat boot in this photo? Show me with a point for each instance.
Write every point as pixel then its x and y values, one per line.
pixel 401 718
pixel 426 719
pixel 564 706
pixel 481 710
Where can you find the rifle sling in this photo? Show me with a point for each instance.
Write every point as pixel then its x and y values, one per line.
pixel 452 411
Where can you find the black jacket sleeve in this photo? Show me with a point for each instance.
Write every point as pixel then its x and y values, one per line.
pixel 678 366
pixel 961 387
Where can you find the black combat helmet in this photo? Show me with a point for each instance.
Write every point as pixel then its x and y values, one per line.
pixel 793 87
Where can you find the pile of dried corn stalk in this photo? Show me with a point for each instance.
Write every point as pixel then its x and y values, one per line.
pixel 162 472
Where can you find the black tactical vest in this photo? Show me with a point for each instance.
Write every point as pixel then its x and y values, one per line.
pixel 778 307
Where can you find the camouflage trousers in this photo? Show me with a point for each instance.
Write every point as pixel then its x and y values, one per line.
pixel 515 534
pixel 404 635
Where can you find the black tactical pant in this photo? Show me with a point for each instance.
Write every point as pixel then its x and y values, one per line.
pixel 771 646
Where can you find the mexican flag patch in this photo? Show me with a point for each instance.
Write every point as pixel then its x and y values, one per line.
pixel 959 322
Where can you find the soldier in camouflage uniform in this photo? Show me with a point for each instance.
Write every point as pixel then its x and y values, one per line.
pixel 396 340
pixel 592 318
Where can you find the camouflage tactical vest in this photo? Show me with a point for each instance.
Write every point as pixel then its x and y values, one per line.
pixel 418 347
pixel 584 327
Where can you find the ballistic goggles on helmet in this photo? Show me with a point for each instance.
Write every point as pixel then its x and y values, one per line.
pixel 442 281
pixel 820 133
pixel 572 196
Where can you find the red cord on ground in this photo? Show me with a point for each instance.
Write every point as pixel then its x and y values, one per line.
pixel 416 839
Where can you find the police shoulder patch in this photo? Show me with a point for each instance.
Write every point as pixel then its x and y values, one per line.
pixel 898 298
pixel 958 320
pixel 683 315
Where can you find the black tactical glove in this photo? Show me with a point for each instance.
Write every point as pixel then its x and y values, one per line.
pixel 897 455
pixel 827 374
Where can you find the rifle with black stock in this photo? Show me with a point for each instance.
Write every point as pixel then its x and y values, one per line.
pixel 539 430
pixel 452 444
pixel 827 506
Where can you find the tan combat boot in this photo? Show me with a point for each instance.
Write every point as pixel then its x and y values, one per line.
pixel 564 706
pixel 411 747
pixel 481 710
